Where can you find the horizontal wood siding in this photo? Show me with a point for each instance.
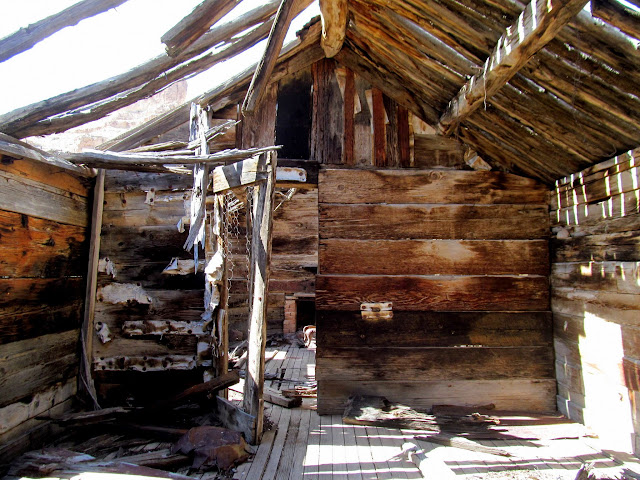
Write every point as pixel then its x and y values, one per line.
pixel 469 291
pixel 595 297
pixel 44 214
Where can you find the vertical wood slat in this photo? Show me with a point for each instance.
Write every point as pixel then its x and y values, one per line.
pixel 403 137
pixel 349 104
pixel 259 275
pixel 85 379
pixel 379 135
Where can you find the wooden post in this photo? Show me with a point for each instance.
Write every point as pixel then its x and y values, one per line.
pixel 85 379
pixel 259 278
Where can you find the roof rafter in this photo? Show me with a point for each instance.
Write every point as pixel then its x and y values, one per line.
pixel 536 26
pixel 335 15
pixel 25 38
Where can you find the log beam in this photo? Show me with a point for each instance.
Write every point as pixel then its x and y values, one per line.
pixel 615 13
pixel 259 277
pixel 334 25
pixel 536 26
pixel 196 24
pixel 261 76
pixel 27 37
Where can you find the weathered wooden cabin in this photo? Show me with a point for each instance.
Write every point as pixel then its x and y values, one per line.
pixel 455 204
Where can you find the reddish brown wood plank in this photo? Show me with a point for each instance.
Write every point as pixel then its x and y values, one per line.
pixel 349 112
pixel 403 137
pixel 379 129
pixel 433 257
pixel 433 293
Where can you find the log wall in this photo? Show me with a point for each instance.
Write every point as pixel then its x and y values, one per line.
pixel 44 214
pixel 596 298
pixel 146 321
pixel 470 292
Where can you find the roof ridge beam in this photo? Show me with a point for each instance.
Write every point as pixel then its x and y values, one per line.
pixel 536 26
pixel 335 15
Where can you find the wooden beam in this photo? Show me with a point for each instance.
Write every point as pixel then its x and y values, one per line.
pixel 262 233
pixel 349 118
pixel 615 13
pixel 122 161
pixel 240 174
pixel 13 147
pixel 295 55
pixel 379 129
pixel 95 111
pixel 85 379
pixel 335 15
pixel 536 26
pixel 27 37
pixel 13 122
pixel 194 25
pixel 268 62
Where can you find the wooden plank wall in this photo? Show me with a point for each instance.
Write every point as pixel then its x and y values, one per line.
pixel 44 214
pixel 356 124
pixel 139 239
pixel 596 297
pixel 463 257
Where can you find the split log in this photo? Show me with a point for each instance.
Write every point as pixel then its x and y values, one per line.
pixel 194 25
pixel 14 148
pixel 26 38
pixel 618 15
pixel 585 472
pixel 276 398
pixel 540 24
pixel 266 65
pixel 334 25
pixel 429 467
pixel 17 120
pixel 123 161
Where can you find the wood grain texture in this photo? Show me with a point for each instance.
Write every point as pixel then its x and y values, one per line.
pixel 396 222
pixel 433 293
pixel 34 247
pixel 401 186
pixel 433 257
pixel 337 329
pixel 532 395
pixel 398 364
pixel 327 137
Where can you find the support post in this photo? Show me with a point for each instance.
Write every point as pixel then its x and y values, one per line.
pixel 259 278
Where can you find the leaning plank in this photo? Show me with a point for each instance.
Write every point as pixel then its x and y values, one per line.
pixel 276 398
pixel 125 160
pixel 266 65
pixel 262 233
pixel 615 13
pixel 13 147
pixel 85 380
pixel 194 25
pixel 212 386
pixel 334 25
pixel 16 120
pixel 234 418
pixel 536 26
pixel 244 173
pixel 27 37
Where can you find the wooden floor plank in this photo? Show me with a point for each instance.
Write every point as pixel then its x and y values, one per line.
pixel 288 451
pixel 278 443
pixel 312 456
pixel 351 452
pixel 338 456
pixel 300 447
pixel 261 457
pixel 365 454
pixel 325 463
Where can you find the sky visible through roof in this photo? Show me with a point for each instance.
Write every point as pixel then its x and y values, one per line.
pixel 105 45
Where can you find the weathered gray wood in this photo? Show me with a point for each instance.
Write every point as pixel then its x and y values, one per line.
pixel 13 147
pixel 127 160
pixel 266 65
pixel 194 25
pixel 536 26
pixel 238 174
pixel 22 195
pixel 24 117
pixel 85 378
pixel 334 25
pixel 234 418
pixel 27 37
pixel 262 232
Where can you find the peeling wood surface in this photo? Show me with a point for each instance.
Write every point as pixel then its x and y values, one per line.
pixel 334 25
